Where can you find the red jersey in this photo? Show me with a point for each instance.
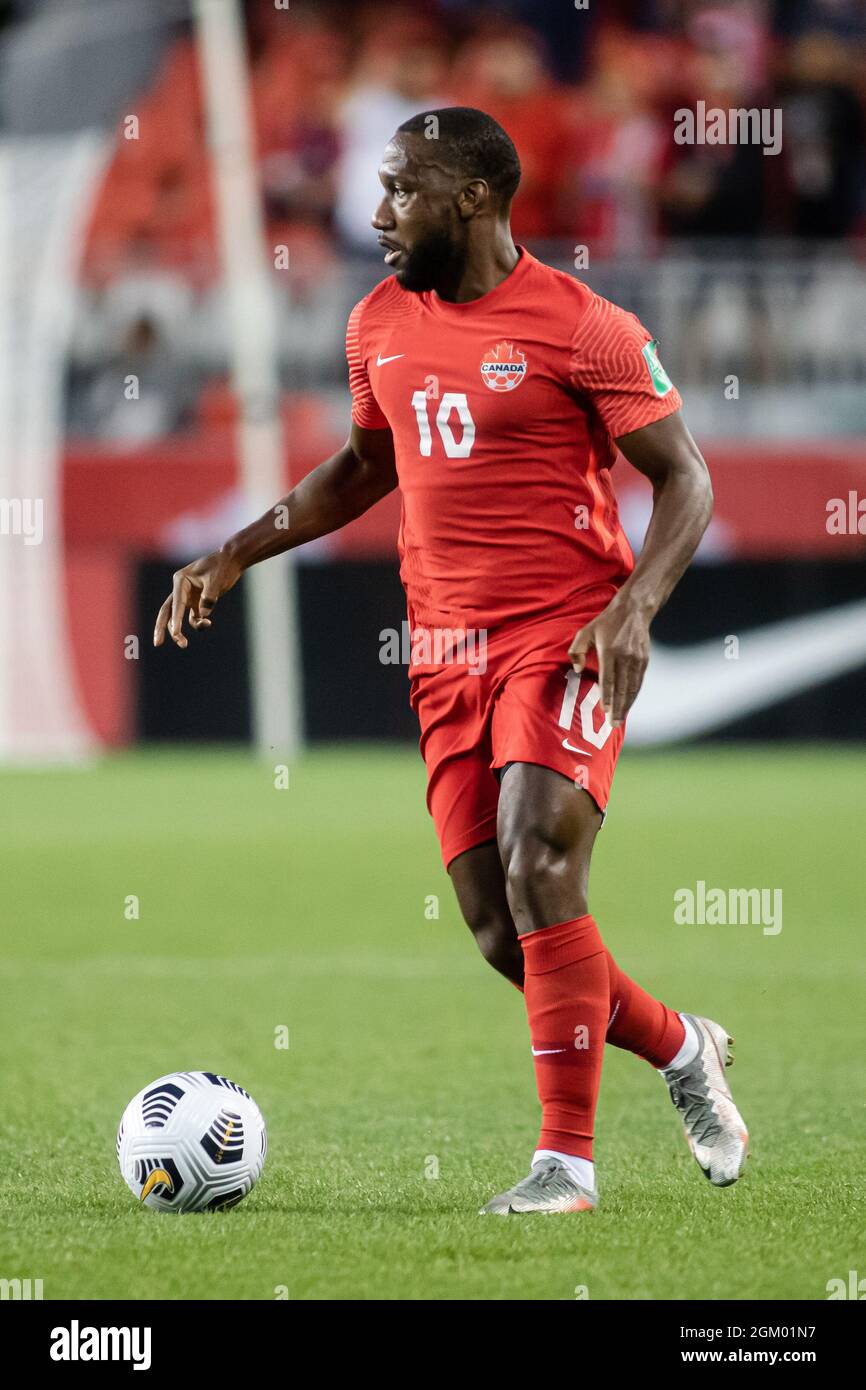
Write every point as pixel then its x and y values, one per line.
pixel 504 412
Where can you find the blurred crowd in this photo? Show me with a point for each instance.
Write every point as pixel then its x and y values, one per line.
pixel 589 98
pixel 600 165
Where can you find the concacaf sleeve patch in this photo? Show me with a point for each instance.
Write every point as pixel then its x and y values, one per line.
pixel 659 377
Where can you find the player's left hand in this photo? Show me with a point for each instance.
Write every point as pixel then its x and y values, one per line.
pixel 620 637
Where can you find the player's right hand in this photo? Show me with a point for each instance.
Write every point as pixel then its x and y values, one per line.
pixel 195 590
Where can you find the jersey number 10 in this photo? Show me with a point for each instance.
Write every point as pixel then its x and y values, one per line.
pixel 451 400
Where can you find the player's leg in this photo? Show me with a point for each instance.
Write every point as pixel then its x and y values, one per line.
pixel 453 709
pixel 638 1022
pixel 575 992
pixel 479 884
pixel 546 830
pixel 463 795
pixel 548 722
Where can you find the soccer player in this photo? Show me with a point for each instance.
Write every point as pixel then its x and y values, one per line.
pixel 494 392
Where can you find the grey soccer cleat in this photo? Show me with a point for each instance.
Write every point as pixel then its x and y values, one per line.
pixel 714 1127
pixel 549 1187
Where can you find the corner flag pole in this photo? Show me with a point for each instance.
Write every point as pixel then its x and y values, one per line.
pixel 270 588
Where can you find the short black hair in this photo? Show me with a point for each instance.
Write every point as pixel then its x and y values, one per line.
pixel 478 145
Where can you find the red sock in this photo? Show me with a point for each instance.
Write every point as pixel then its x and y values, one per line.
pixel 567 991
pixel 640 1023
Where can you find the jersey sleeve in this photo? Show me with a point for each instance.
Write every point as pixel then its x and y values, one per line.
pixel 365 407
pixel 614 361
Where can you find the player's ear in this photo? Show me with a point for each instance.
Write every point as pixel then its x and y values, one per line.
pixel 474 198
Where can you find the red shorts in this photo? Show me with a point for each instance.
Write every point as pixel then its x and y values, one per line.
pixel 517 700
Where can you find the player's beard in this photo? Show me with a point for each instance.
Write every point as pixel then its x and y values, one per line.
pixel 430 264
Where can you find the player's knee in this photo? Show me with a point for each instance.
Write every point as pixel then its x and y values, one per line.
pixel 486 914
pixel 530 864
pixel 498 944
pixel 490 930
pixel 540 873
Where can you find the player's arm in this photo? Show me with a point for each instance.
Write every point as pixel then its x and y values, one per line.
pixel 340 489
pixel 682 505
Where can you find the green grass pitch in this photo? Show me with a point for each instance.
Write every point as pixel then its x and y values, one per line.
pixel 406 1096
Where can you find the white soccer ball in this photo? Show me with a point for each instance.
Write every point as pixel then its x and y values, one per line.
pixel 191 1141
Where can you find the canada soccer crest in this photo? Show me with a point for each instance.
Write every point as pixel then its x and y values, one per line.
pixel 503 367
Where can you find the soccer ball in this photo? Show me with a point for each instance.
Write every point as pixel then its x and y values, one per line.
pixel 191 1141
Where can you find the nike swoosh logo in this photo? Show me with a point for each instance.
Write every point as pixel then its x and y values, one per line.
pixel 572 748
pixel 692 690
pixel 159 1177
pixel 380 361
pixel 545 1051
